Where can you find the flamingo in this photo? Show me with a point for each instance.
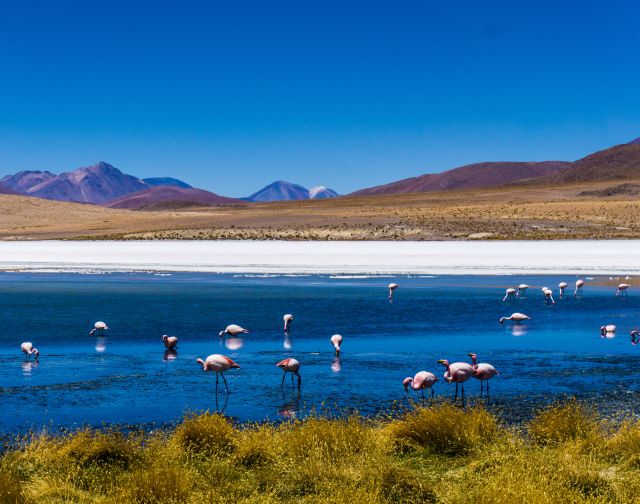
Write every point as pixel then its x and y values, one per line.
pixel 99 327
pixel 622 289
pixel 422 380
pixel 233 330
pixel 170 341
pixel 288 318
pixel 392 287
pixel 608 329
pixel 28 349
pixel 635 337
pixel 548 295
pixel 290 366
pixel 516 318
pixel 579 285
pixel 561 287
pixel 219 364
pixel 522 288
pixel 336 341
pixel 458 373
pixel 510 293
pixel 482 371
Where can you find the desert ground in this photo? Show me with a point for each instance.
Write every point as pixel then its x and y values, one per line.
pixel 554 212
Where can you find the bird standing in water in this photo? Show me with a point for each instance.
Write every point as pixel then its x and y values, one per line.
pixel 170 342
pixel 233 330
pixel 421 381
pixel 458 373
pixel 561 287
pixel 218 364
pixel 516 318
pixel 98 327
pixel 392 288
pixel 510 295
pixel 336 341
pixel 483 371
pixel 622 289
pixel 28 350
pixel 579 285
pixel 288 318
pixel 290 366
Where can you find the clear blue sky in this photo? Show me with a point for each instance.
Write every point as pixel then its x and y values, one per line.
pixel 230 96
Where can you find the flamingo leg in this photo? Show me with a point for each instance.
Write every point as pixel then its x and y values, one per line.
pixel 299 380
pixel 284 375
pixel 225 383
pixel 462 384
pixel 455 398
pixel 292 385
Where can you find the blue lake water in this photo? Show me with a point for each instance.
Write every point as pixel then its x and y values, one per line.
pixel 126 378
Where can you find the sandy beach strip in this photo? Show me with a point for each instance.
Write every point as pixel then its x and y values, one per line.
pixel 470 257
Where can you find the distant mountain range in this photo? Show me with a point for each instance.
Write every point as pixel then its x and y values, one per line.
pixel 286 191
pixel 103 184
pixel 621 162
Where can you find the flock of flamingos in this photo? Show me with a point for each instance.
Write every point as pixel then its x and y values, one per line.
pixel 456 372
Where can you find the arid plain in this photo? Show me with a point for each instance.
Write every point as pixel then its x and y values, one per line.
pixel 547 212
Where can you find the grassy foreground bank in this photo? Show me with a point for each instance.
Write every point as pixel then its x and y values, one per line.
pixel 437 454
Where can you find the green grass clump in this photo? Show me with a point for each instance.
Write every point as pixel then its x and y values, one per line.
pixel 440 454
pixel 445 429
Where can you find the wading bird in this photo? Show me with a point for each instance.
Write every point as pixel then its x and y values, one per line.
pixel 336 341
pixel 290 366
pixel 635 337
pixel 561 287
pixel 548 295
pixel 28 349
pixel 509 295
pixel 422 380
pixel 579 285
pixel 522 289
pixel 622 289
pixel 219 364
pixel 392 288
pixel 98 327
pixel 607 329
pixel 458 373
pixel 233 330
pixel 288 318
pixel 170 341
pixel 516 318
pixel 482 371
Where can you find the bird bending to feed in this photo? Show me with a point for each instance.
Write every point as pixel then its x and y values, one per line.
pixel 98 327
pixel 392 288
pixel 548 295
pixel 579 285
pixel 288 318
pixel 233 330
pixel 516 318
pixel 522 288
pixel 170 341
pixel 482 371
pixel 458 373
pixel 607 329
pixel 561 287
pixel 510 293
pixel 422 380
pixel 635 337
pixel 28 349
pixel 622 289
pixel 219 364
pixel 290 366
pixel 336 341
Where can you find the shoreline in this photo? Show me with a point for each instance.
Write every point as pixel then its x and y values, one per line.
pixel 584 257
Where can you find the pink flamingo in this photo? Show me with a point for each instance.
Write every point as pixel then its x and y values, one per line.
pixel 635 337
pixel 516 318
pixel 422 380
pixel 392 288
pixel 99 327
pixel 482 371
pixel 290 366
pixel 288 318
pixel 170 342
pixel 561 287
pixel 509 295
pixel 607 329
pixel 548 295
pixel 622 289
pixel 233 330
pixel 458 373
pixel 579 285
pixel 336 341
pixel 28 349
pixel 522 288
pixel 219 364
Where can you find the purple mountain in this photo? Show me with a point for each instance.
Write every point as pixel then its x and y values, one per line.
pixel 23 181
pixel 286 191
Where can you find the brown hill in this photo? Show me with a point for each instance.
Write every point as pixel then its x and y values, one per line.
pixel 621 162
pixel 170 197
pixel 471 176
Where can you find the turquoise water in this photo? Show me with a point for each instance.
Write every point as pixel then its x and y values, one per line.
pixel 127 378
